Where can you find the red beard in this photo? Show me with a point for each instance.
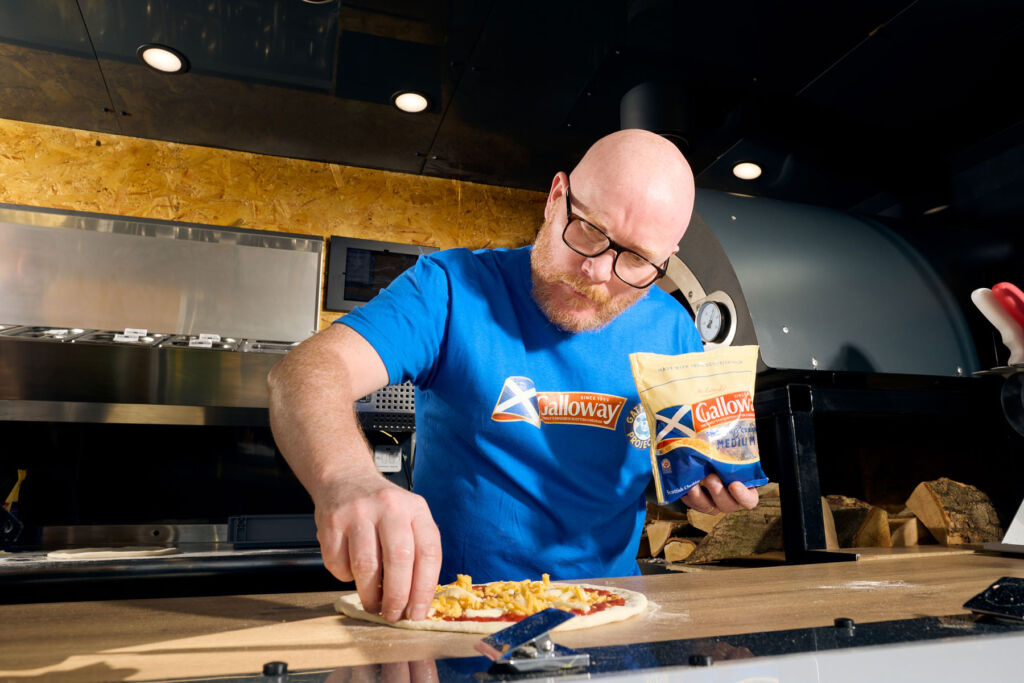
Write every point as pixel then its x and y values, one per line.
pixel 568 308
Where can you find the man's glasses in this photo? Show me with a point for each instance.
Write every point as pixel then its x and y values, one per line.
pixel 586 239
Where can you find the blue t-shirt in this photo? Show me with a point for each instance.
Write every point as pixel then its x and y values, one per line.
pixel 532 446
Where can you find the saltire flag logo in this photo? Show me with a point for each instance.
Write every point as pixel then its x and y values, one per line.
pixel 517 401
pixel 674 422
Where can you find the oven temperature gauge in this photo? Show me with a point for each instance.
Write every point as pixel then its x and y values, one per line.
pixel 712 321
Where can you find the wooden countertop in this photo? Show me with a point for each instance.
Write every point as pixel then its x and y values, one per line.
pixel 209 636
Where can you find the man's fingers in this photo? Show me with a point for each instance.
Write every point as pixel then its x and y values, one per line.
pixel 337 561
pixel 427 567
pixel 423 671
pixel 697 499
pixel 367 673
pixel 716 489
pixel 364 561
pixel 731 498
pixel 385 539
pixel 395 672
pixel 398 552
pixel 747 497
pixel 713 496
pixel 334 550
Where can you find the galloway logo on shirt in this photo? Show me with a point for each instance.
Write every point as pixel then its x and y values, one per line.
pixel 520 401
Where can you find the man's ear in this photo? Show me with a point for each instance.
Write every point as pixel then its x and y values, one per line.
pixel 558 184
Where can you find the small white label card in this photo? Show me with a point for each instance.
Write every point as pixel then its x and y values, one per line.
pixel 388 458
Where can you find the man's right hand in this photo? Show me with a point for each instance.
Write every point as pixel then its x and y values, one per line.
pixel 371 531
pixel 384 538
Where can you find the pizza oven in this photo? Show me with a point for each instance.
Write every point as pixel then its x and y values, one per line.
pixel 133 379
pixel 876 371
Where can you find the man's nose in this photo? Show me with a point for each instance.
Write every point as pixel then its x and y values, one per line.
pixel 599 268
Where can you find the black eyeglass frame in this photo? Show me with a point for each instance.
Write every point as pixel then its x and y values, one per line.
pixel 612 244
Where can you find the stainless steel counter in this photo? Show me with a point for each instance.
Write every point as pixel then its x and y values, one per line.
pixel 729 614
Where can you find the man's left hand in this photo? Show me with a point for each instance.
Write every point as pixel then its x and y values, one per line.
pixel 712 496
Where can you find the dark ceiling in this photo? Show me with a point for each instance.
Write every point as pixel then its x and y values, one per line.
pixel 885 107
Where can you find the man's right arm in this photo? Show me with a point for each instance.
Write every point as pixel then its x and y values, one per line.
pixel 371 531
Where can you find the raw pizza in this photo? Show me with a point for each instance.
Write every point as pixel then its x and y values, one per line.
pixel 485 608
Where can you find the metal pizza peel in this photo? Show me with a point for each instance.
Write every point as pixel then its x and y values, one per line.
pixel 527 646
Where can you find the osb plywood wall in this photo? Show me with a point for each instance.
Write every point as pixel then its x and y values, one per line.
pixel 63 168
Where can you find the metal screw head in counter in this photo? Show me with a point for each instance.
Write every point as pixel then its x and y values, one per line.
pixel 527 646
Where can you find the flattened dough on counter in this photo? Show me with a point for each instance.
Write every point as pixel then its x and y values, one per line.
pixel 350 605
pixel 109 553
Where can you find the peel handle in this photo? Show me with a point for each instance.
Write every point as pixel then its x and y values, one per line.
pixel 1012 299
pixel 1012 333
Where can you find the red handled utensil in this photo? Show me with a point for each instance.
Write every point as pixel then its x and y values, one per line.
pixel 1009 329
pixel 1011 298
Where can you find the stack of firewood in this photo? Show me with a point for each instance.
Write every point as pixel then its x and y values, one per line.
pixel 942 511
pixel 695 537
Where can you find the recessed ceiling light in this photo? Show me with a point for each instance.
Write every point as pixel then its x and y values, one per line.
pixel 746 171
pixel 162 58
pixel 412 102
pixel 936 209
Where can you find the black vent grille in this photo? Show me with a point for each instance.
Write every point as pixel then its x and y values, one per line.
pixel 392 407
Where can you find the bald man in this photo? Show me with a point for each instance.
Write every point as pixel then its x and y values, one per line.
pixel 533 449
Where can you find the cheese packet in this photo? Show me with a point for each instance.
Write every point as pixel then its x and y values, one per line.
pixel 700 412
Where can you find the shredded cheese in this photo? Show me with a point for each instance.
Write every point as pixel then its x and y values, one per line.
pixel 520 598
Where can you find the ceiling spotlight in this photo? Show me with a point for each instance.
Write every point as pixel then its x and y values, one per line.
pixel 410 101
pixel 162 58
pixel 746 171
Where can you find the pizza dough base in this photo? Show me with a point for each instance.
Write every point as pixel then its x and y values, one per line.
pixel 108 553
pixel 349 605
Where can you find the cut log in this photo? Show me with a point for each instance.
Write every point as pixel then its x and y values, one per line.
pixel 659 532
pixel 703 521
pixel 644 549
pixel 955 513
pixel 836 501
pixel 742 533
pixel 859 524
pixel 706 522
pixel 678 549
pixel 829 522
pixel 907 532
